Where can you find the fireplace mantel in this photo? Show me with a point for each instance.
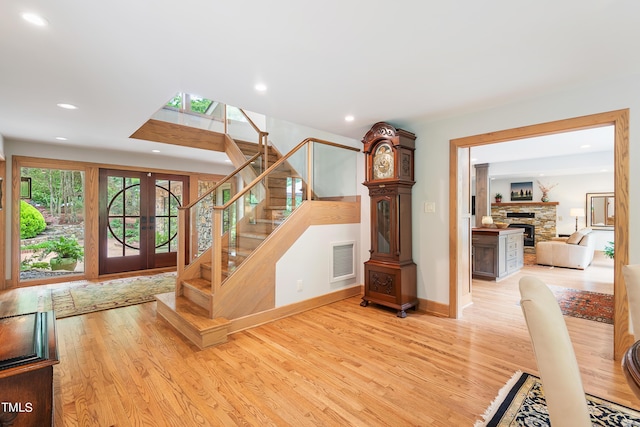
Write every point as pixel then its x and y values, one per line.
pixel 525 204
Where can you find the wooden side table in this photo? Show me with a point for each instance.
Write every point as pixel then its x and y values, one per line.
pixel 27 355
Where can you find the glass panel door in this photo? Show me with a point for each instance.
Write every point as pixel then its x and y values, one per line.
pixel 139 219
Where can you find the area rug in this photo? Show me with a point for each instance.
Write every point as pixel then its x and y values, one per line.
pixel 584 304
pixel 83 296
pixel 521 403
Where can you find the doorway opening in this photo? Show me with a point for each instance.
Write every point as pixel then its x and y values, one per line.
pixel 460 208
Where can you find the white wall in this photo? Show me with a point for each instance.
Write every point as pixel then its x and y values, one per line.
pixel 1 148
pixel 308 261
pixel 431 230
pixel 570 192
pixel 286 135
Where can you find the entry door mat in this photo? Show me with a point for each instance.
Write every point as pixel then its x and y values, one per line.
pixel 83 296
pixel 521 402
pixel 584 304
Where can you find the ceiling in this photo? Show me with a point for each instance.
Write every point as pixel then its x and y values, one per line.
pixel 586 151
pixel 402 61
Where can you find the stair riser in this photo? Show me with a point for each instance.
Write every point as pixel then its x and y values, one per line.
pixel 263 227
pixel 205 272
pixel 248 244
pixel 197 296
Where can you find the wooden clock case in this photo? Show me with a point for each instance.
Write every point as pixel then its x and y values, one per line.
pixel 390 273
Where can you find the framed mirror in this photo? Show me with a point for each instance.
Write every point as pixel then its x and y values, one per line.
pixel 600 211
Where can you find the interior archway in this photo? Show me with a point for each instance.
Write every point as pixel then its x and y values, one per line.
pixel 458 268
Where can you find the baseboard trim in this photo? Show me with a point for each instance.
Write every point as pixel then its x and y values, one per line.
pixel 433 308
pixel 267 316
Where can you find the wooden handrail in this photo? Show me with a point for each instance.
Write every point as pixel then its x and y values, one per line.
pixel 253 125
pixel 278 163
pixel 218 184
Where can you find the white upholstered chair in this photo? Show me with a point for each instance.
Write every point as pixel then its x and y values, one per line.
pixel 556 359
pixel 630 366
pixel 631 275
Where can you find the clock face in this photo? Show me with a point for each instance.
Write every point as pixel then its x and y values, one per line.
pixel 383 162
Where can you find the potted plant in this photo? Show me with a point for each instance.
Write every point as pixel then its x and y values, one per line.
pixel 609 250
pixel 498 197
pixel 67 252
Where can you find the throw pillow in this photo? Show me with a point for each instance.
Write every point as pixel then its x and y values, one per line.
pixel 575 238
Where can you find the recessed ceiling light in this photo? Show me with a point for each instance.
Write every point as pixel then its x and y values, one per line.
pixel 261 87
pixel 34 19
pixel 67 106
pixel 155 151
pixel 585 146
pixel 349 118
pixel 61 138
pixel 227 161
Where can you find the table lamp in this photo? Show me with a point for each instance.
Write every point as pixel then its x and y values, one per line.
pixel 576 212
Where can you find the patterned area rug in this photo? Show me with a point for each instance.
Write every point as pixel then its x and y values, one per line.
pixel 584 304
pixel 83 296
pixel 521 403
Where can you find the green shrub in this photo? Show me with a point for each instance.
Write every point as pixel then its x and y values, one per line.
pixel 31 221
pixel 64 247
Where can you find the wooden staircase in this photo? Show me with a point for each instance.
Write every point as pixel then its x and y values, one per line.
pixel 190 310
pixel 205 308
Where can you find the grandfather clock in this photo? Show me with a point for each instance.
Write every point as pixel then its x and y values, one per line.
pixel 390 273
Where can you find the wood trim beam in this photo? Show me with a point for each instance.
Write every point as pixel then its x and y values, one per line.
pixel 175 134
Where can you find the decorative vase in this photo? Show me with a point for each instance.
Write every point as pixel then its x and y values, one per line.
pixel 68 264
pixel 545 198
pixel 498 199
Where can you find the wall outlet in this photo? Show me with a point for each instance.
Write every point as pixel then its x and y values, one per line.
pixel 299 285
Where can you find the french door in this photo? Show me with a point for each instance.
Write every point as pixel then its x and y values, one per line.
pixel 139 219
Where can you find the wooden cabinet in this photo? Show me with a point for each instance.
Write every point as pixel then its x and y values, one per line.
pixel 27 356
pixel 497 253
pixel 390 274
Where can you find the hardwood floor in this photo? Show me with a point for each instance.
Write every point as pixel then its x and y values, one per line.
pixel 340 364
pixel 598 277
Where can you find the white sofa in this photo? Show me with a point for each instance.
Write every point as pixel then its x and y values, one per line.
pixel 575 251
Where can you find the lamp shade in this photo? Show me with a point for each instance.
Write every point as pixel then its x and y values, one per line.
pixel 576 212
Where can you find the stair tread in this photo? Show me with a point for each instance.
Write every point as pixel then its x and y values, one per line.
pixel 238 252
pixel 253 235
pixel 198 283
pixel 189 311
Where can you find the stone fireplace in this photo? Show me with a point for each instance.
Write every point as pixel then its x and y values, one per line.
pixel 540 215
pixel 529 233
